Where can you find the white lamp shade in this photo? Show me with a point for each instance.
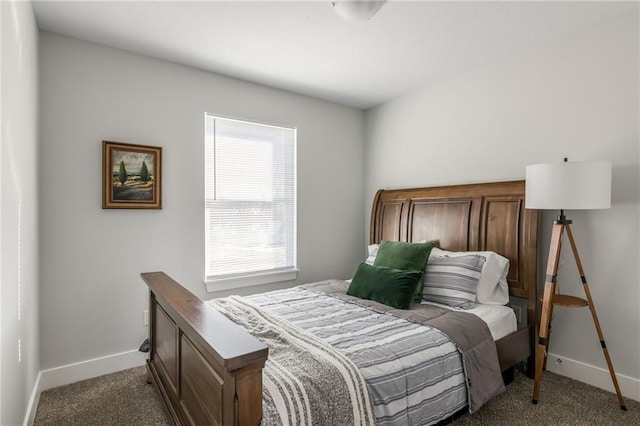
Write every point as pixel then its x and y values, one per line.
pixel 572 185
pixel 357 10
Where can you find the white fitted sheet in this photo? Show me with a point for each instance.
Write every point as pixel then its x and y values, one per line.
pixel 500 319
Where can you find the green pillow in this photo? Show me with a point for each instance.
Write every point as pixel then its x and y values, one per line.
pixel 405 256
pixel 393 287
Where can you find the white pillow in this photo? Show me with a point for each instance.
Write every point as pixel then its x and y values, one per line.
pixel 373 252
pixel 493 288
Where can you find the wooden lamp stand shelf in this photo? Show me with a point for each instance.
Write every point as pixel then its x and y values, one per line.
pixel 568 301
pixel 551 299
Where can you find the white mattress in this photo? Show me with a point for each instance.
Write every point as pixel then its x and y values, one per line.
pixel 500 319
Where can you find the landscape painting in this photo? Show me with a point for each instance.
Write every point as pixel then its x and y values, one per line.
pixel 131 176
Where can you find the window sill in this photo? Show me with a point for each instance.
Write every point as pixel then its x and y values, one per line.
pixel 250 280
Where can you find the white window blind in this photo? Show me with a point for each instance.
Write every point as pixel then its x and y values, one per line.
pixel 250 199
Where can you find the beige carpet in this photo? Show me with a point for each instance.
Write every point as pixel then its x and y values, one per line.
pixel 124 398
pixel 562 402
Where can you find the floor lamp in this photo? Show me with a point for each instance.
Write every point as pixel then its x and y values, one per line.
pixel 566 186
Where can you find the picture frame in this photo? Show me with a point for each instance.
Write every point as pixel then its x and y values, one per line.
pixel 131 176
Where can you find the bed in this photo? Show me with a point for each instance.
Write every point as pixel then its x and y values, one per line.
pixel 209 370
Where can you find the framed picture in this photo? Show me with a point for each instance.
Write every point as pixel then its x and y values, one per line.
pixel 131 176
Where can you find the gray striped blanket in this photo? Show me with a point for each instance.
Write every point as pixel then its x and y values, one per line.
pixel 305 380
pixel 414 373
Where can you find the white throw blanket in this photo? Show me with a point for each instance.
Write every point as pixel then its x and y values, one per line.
pixel 306 381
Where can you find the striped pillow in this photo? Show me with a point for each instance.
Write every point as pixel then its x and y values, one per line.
pixel 453 281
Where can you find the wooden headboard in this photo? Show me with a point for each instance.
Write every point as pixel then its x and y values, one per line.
pixel 485 216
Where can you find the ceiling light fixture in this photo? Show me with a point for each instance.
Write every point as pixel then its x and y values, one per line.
pixel 357 10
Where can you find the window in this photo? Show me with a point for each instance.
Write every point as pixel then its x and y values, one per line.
pixel 250 203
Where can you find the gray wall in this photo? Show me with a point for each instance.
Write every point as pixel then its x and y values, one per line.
pixel 577 98
pixel 91 295
pixel 18 210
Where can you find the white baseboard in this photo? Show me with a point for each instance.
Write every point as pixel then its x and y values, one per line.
pixel 32 407
pixel 71 373
pixel 595 376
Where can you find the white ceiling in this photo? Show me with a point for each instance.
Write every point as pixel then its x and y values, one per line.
pixel 305 47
